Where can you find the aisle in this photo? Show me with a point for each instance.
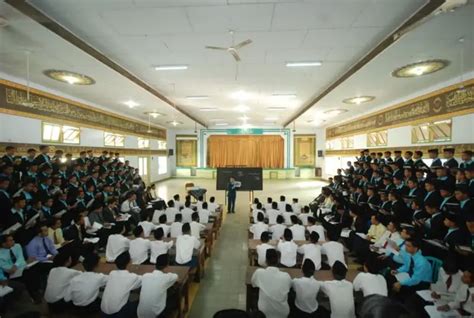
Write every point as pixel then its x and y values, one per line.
pixel 223 286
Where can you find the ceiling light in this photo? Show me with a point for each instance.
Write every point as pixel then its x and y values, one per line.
pixel 71 78
pixel 240 95
pixel 276 108
pixel 171 67
pixel 303 64
pixel 221 124
pixel 284 95
pixel 208 109
pixel 358 100
pixel 197 97
pixel 242 108
pixel 130 103
pixel 216 119
pixel 154 114
pixel 270 118
pixel 246 126
pixel 175 123
pixel 334 112
pixel 244 118
pixel 420 68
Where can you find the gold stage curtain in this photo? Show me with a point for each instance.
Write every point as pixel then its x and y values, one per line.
pixel 265 151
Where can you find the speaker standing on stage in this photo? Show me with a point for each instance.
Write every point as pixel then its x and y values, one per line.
pixel 231 194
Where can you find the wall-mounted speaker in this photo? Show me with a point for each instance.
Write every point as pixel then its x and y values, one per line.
pixel 320 154
pixel 170 152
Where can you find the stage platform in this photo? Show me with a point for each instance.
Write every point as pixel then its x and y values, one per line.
pixel 268 174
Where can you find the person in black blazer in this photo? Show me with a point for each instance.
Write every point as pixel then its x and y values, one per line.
pixel 444 177
pixel 400 210
pixel 466 204
pixel 448 200
pixel 436 162
pixel 9 157
pixel 5 200
pixel 396 168
pixel 399 186
pixel 414 190
pixel 408 159
pixel 432 195
pixel 456 234
pixel 418 163
pixel 43 157
pixel 434 226
pixel 449 155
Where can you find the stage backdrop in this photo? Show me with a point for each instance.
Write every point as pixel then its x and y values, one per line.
pixel 265 151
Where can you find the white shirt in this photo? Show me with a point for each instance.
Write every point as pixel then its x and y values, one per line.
pixel 277 231
pixel 170 214
pixel 288 252
pixel 257 229
pixel 199 205
pixel 287 217
pixel 196 229
pixel 267 206
pixel 334 251
pixel 129 206
pixel 185 245
pixel 166 229
pixel 156 216
pixel 462 294
pixel 116 245
pixel 158 248
pixel 139 248
pixel 178 205
pixel 306 290
pixel 318 229
pixel 262 253
pixel 148 227
pixel 370 284
pixel 255 212
pixel 212 207
pixel 298 232
pixel 187 215
pixel 85 288
pixel 117 291
pixel 304 218
pixel 204 216
pixel 274 286
pixel 272 216
pixel 385 236
pixel 441 287
pixel 153 293
pixel 296 207
pixel 313 252
pixel 176 229
pixel 57 287
pixel 341 298
pixel 282 206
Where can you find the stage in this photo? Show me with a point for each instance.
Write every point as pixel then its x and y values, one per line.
pixel 268 174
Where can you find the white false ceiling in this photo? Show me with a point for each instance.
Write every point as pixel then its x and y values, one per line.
pixel 140 34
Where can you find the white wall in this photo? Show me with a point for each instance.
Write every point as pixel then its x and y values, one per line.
pixel 19 129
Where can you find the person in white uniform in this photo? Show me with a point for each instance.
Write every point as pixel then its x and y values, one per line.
pixel 288 249
pixel 85 287
pixel 370 282
pixel 57 293
pixel 185 246
pixel 312 250
pixel 340 293
pixel 259 227
pixel 115 300
pixel 187 212
pixel 196 227
pixel 278 229
pixel 116 245
pixel 176 228
pixel 158 246
pixel 274 286
pixel 171 211
pixel 262 249
pixel 139 247
pixel 153 295
pixel 273 213
pixel 306 289
pixel 297 229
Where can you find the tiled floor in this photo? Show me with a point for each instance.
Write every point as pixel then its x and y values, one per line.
pixel 223 286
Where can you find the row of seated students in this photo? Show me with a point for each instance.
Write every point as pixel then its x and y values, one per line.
pixel 53 210
pixel 386 231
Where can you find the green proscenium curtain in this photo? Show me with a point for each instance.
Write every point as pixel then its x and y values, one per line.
pixel 265 151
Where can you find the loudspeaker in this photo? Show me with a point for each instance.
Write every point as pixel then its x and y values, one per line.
pixel 320 153
pixel 170 152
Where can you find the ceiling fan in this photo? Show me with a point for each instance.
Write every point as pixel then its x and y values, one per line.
pixel 232 49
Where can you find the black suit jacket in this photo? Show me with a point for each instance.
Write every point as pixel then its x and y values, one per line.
pixel 401 212
pixel 434 197
pixel 456 237
pixel 437 230
pixel 72 233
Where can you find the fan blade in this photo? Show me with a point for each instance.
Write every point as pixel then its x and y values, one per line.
pixel 242 44
pixel 216 48
pixel 235 55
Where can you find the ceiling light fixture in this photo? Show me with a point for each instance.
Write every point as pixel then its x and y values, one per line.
pixel 242 108
pixel 175 123
pixel 154 114
pixel 244 118
pixel 358 100
pixel 334 112
pixel 208 109
pixel 420 68
pixel 171 67
pixel 240 95
pixel 71 78
pixel 131 104
pixel 197 97
pixel 303 64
